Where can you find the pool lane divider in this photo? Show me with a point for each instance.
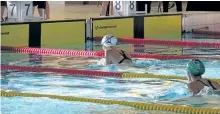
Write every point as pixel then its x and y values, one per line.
pixel 186 44
pixel 61 70
pixel 138 105
pixel 79 53
pixel 90 73
pixel 206 32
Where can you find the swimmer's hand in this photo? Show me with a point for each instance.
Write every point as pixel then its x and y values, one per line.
pixel 102 62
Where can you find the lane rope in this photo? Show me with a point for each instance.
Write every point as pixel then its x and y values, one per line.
pixel 206 32
pixel 61 70
pixel 91 73
pixel 165 42
pixel 65 52
pixel 138 105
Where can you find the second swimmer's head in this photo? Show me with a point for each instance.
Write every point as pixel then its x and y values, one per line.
pixel 195 68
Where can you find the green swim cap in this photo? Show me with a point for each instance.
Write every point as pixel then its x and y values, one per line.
pixel 195 67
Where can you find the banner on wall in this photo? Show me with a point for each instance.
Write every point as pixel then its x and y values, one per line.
pixel 63 35
pixel 163 28
pixel 119 27
pixel 15 35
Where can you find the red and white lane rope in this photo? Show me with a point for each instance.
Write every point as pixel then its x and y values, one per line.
pixel 165 42
pixel 61 70
pixel 89 73
pixel 206 32
pixel 50 51
pixel 64 52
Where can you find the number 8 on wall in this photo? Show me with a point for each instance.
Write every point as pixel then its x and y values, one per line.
pixel 124 7
pixel 118 8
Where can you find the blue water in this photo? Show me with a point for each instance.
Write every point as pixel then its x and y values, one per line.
pixel 107 88
pixel 22 105
pixel 138 90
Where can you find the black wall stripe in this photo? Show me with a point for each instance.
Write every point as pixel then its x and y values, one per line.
pixel 35 34
pixel 139 27
pixel 139 32
pixel 35 41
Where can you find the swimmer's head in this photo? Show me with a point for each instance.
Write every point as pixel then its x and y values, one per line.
pixel 109 40
pixel 195 68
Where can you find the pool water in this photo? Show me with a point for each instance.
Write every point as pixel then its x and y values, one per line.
pixel 152 66
pixel 22 105
pixel 108 88
pixel 137 89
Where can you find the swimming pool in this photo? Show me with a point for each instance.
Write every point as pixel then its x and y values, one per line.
pixel 138 90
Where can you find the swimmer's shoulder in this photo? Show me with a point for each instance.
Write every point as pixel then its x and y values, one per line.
pixel 191 85
pixel 198 84
pixel 214 83
pixel 195 87
pixel 109 51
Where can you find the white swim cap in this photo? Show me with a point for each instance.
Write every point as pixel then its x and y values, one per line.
pixel 109 40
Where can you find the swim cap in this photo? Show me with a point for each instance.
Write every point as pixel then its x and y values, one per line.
pixel 195 67
pixel 109 40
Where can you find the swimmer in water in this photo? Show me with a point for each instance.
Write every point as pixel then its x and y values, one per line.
pixel 195 70
pixel 113 55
